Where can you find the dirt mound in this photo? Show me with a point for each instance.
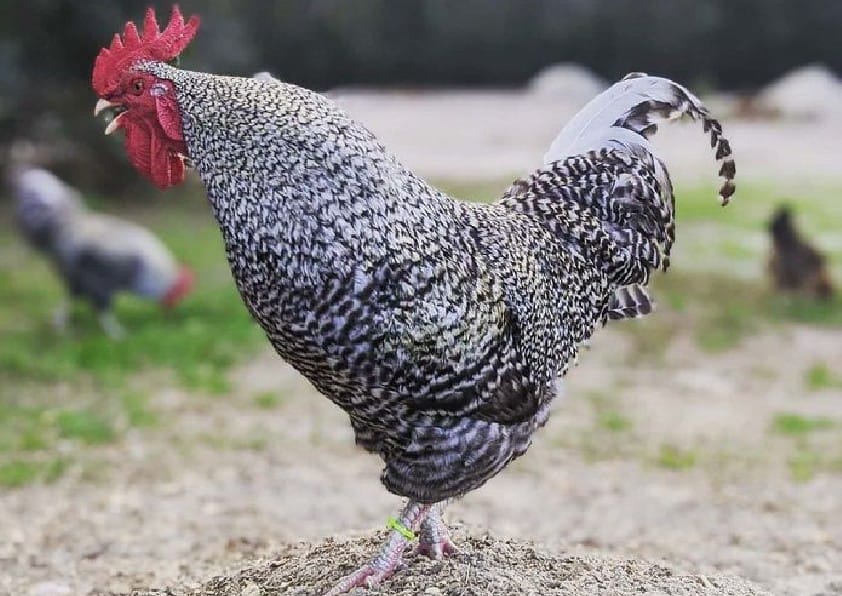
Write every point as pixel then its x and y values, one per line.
pixel 485 565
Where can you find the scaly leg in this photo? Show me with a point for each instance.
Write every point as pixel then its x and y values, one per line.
pixel 434 540
pixel 384 564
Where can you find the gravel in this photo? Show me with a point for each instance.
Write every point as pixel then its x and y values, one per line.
pixel 485 566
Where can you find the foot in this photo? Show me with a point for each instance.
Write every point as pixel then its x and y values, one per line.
pixel 372 573
pixel 434 540
pixel 387 561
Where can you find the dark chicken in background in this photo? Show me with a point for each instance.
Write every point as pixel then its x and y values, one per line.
pixel 97 256
pixel 795 266
pixel 440 326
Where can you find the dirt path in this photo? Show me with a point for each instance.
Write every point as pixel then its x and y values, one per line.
pixel 672 462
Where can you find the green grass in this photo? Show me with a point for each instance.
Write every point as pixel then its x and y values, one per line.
pixel 798 425
pixel 673 457
pixel 268 400
pixel 607 413
pixel 804 464
pixel 85 426
pixel 18 472
pixel 195 345
pixel 721 311
pixel 138 412
pixel 614 421
pixel 820 376
pixel 814 447
pixel 200 340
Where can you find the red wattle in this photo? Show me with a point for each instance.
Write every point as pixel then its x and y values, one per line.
pixel 155 147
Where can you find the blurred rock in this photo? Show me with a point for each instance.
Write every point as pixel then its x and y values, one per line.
pixel 810 92
pixel 568 82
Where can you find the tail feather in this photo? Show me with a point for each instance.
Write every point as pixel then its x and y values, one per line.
pixel 606 194
pixel 636 104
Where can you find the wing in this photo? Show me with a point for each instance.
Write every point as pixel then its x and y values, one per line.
pixel 457 350
pixel 98 274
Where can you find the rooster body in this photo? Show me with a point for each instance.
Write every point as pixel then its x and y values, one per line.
pixel 439 326
pixel 96 255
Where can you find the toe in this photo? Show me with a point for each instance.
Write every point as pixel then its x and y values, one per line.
pixel 437 550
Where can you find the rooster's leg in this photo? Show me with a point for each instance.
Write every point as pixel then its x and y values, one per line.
pixel 111 325
pixel 434 540
pixel 61 316
pixel 384 564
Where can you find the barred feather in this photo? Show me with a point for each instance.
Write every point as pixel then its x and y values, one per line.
pixel 629 303
pixel 636 104
pixel 607 194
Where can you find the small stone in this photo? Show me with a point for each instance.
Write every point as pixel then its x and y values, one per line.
pixel 432 591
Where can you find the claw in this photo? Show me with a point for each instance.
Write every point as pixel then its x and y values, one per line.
pixel 368 576
pixel 437 550
pixel 434 541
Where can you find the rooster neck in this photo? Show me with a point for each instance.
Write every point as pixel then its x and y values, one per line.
pixel 303 196
pixel 292 178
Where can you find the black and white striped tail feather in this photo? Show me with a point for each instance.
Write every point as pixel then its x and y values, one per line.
pixel 641 119
pixel 629 302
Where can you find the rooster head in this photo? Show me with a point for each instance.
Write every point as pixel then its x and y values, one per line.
pixel 145 106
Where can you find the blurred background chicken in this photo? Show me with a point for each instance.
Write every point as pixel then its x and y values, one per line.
pixel 96 255
pixel 796 266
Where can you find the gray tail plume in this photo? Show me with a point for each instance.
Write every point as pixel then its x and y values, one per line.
pixel 626 115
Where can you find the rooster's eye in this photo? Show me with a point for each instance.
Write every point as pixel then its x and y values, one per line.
pixel 137 86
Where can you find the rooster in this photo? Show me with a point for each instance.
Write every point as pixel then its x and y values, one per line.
pixel 794 264
pixel 96 255
pixel 439 326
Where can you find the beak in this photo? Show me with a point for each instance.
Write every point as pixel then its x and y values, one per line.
pixel 104 104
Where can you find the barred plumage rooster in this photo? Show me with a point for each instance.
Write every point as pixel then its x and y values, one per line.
pixel 439 326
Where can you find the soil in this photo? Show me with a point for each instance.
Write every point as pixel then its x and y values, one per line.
pixel 226 483
pixel 485 566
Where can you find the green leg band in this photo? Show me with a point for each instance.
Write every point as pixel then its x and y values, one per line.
pixel 394 524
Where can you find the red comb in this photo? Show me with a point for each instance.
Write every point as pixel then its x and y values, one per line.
pixel 154 45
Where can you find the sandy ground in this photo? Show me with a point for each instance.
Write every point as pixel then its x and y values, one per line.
pixel 229 482
pixel 225 483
